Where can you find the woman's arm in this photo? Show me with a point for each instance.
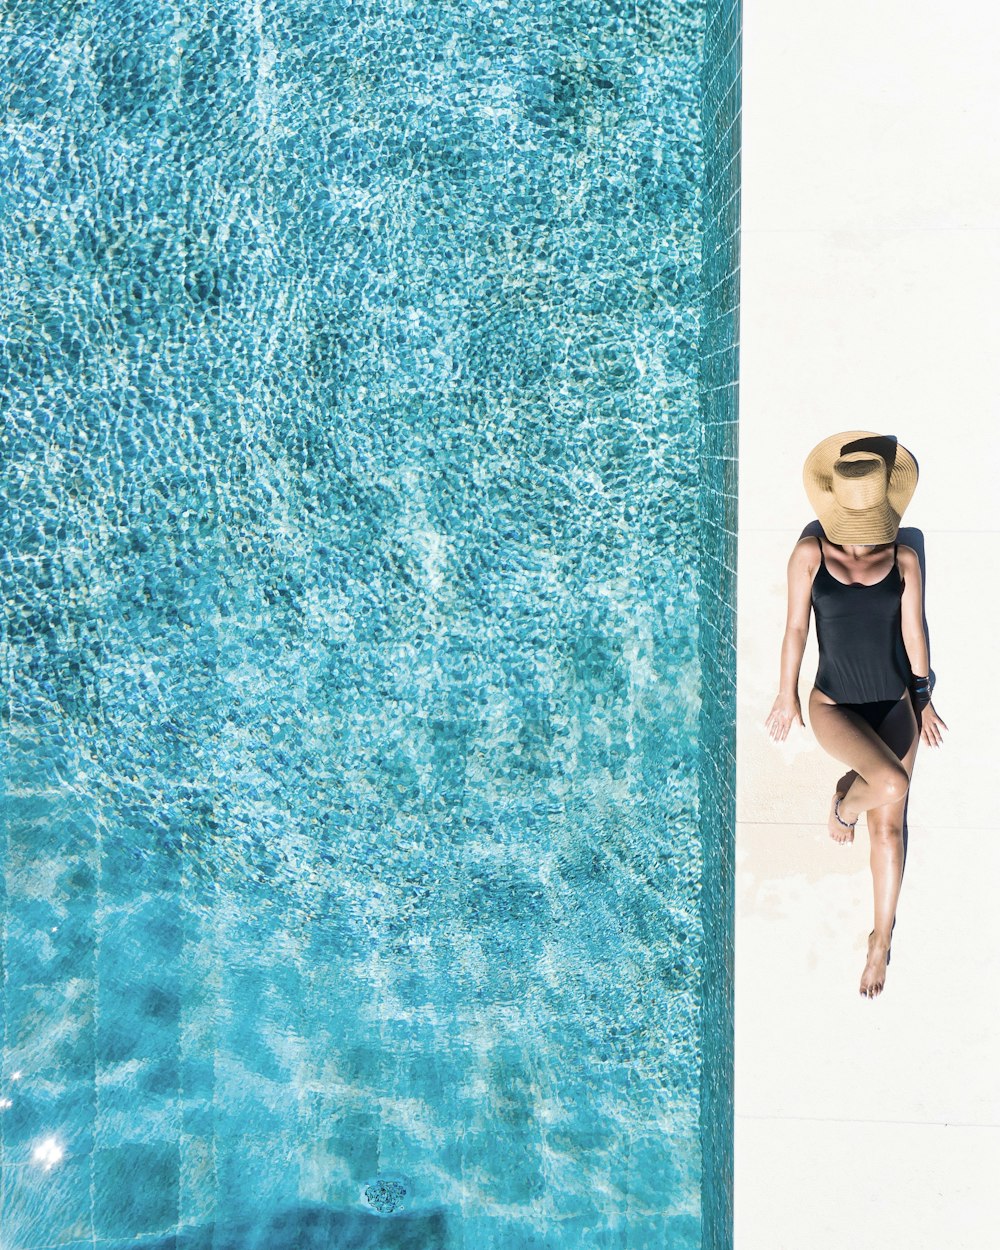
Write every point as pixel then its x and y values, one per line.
pixel 802 565
pixel 915 640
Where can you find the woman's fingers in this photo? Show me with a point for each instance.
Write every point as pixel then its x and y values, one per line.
pixel 779 723
pixel 931 730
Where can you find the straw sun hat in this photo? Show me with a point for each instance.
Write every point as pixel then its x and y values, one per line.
pixel 859 483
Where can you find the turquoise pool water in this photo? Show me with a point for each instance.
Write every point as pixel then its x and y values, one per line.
pixel 353 505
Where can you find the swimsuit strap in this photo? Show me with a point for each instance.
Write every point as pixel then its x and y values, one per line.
pixel 822 558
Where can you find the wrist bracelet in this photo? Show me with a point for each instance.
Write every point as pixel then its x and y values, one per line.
pixel 920 689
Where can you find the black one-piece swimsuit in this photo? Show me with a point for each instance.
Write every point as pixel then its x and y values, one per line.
pixel 862 658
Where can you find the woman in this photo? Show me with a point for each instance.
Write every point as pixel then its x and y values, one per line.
pixel 871 702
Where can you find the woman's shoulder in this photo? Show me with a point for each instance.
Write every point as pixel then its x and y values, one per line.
pixel 805 554
pixel 909 563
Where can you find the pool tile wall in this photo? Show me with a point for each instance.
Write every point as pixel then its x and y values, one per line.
pixel 361 493
pixel 719 365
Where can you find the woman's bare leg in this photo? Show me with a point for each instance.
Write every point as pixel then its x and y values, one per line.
pixel 885 834
pixel 882 763
pixel 880 777
pixel 845 782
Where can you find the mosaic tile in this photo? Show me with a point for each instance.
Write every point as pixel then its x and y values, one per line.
pixel 135 1189
pixel 46 1204
pixel 48 943
pixel 47 1111
pixel 49 1031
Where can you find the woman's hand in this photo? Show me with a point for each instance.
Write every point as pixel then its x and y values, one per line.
pixel 930 726
pixel 783 714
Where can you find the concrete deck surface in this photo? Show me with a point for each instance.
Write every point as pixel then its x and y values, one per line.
pixel 870 265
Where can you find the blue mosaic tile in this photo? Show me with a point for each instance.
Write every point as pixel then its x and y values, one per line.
pixel 136 1189
pixel 46 1205
pixel 718 367
pixel 48 943
pixel 41 828
pixel 349 1140
pixel 273 1162
pixel 49 1031
pixel 44 1109
pixel 139 986
pixel 139 1098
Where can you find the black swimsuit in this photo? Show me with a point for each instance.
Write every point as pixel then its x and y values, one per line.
pixel 862 658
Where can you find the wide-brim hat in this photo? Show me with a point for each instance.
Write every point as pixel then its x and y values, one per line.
pixel 860 483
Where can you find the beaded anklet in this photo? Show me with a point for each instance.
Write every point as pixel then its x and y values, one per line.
pixel 836 812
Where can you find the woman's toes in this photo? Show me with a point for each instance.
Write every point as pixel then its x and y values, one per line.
pixel 873 976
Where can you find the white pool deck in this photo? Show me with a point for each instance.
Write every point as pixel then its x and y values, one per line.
pixel 870 299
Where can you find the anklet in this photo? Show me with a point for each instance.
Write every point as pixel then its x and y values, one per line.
pixel 836 812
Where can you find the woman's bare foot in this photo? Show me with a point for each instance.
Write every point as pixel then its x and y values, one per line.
pixel 837 831
pixel 873 977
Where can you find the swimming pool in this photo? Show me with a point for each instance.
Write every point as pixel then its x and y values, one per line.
pixel 366 509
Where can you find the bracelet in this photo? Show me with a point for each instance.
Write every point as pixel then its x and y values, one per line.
pixel 920 689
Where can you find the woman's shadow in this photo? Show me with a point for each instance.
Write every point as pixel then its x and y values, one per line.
pixel 909 536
